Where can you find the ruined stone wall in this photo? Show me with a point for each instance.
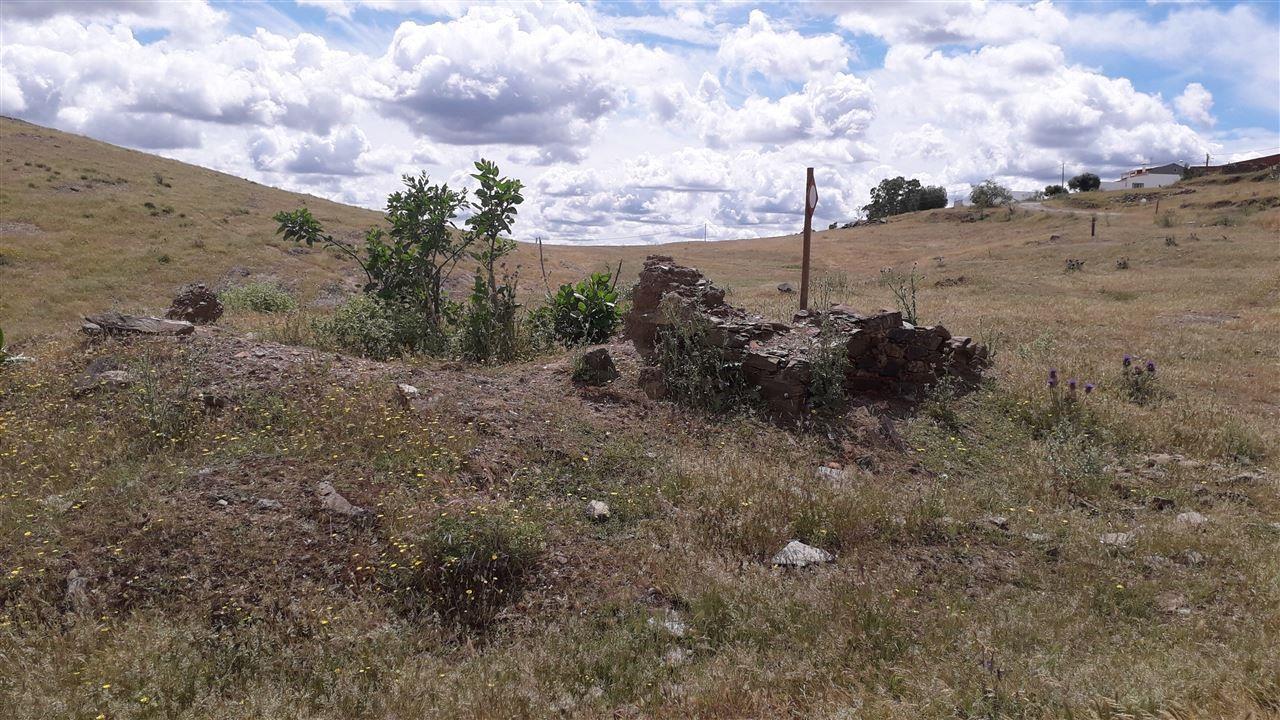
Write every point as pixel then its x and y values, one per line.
pixel 885 354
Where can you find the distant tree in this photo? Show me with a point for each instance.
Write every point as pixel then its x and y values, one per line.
pixel 933 197
pixel 1052 190
pixel 990 194
pixel 1084 182
pixel 891 196
pixel 895 196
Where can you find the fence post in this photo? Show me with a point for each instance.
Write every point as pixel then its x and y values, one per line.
pixel 810 202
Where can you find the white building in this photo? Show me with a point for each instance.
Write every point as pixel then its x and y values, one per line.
pixel 1147 177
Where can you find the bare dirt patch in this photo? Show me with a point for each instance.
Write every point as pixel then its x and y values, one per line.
pixel 13 227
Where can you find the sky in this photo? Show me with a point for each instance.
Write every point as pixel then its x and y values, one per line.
pixel 634 122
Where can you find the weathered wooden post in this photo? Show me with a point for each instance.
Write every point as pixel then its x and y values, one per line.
pixel 1093 226
pixel 810 202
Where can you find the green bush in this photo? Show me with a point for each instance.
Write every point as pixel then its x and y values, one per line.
pixel 696 372
pixel 487 329
pixel 586 313
pixel 263 297
pixel 379 329
pixel 829 360
pixel 466 568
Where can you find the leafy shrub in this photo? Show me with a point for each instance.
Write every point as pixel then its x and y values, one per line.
pixel 263 297
pixel 1084 182
pixel 696 373
pixel 379 329
pixel 1167 219
pixel 466 568
pixel 1074 265
pixel 1122 263
pixel 1054 190
pixel 586 313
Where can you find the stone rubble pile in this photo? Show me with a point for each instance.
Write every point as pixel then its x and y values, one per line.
pixel 884 353
pixel 196 304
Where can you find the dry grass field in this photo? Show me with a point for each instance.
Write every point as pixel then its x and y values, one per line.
pixel 166 557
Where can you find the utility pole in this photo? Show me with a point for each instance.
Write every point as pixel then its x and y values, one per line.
pixel 1064 174
pixel 810 202
pixel 1206 159
pixel 704 231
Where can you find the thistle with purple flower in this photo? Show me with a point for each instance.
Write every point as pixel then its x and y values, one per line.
pixel 1088 388
pixel 1053 377
pixel 1139 380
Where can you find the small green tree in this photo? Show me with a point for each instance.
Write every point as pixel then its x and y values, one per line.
pixel 1054 190
pixel 489 328
pixel 1084 182
pixel 990 194
pixel 408 262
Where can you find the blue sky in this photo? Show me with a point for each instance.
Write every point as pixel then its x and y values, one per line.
pixel 650 119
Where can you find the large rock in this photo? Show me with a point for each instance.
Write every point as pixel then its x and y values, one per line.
pixel 114 323
pixel 196 304
pixel 596 367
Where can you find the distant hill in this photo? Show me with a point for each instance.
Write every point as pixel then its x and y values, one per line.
pixel 87 226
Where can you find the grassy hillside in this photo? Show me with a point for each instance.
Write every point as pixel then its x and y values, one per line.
pixel 86 226
pixel 1000 554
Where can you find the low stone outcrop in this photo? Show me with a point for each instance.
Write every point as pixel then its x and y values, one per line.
pixel 884 354
pixel 196 304
pixel 114 323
